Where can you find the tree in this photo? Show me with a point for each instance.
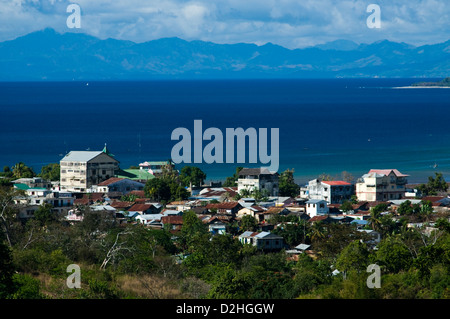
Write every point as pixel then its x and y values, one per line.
pixel 435 184
pixel 44 214
pixel 405 208
pixel 50 172
pixel 6 270
pixel 158 189
pixel 348 177
pixel 393 255
pixel 287 185
pixel 375 216
pixel 20 170
pixel 192 229
pixel 346 206
pixel 353 257
pixel 8 211
pixel 248 222
pixel 231 181
pixel 191 175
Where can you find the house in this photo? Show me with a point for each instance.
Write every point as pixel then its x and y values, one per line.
pixel 262 240
pixel 143 209
pixel 381 185
pixel 33 182
pixel 89 199
pixel 316 207
pixel 116 184
pixel 217 228
pixel 270 212
pixel 153 220
pixel 80 170
pixel 258 178
pixel 176 222
pixel 217 193
pixel 228 208
pixel 252 211
pixel 138 175
pixel 155 167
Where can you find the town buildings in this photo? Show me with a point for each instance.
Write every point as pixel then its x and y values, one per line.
pixel 381 185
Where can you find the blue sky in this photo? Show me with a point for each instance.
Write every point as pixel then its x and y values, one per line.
pixel 290 23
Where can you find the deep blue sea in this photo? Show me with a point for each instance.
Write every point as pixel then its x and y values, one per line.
pixel 326 126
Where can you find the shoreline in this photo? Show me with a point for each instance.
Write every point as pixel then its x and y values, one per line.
pixel 421 87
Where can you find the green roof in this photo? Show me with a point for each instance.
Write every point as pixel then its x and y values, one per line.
pixel 135 174
pixel 22 186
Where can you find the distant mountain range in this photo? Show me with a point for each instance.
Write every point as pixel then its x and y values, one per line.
pixel 48 55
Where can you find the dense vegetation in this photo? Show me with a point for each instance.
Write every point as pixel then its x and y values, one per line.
pixel 131 261
pixel 127 260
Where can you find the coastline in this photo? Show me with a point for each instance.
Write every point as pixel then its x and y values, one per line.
pixel 421 87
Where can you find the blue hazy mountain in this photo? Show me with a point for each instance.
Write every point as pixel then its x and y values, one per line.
pixel 48 55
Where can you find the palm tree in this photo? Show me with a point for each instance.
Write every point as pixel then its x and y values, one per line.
pixel 375 219
pixel 316 231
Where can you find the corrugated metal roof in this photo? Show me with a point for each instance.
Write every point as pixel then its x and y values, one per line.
pixel 81 156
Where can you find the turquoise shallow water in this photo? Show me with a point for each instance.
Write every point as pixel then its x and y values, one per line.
pixel 326 126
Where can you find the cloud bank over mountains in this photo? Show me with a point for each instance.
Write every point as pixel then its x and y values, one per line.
pixel 289 23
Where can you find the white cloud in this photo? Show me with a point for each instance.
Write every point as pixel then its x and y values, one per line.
pixel 291 23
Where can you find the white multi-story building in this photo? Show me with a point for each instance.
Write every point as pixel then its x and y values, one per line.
pixel 317 207
pixel 259 179
pixel 82 169
pixel 381 185
pixel 334 192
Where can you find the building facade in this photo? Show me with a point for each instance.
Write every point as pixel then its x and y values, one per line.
pixel 381 185
pixel 260 179
pixel 334 192
pixel 80 170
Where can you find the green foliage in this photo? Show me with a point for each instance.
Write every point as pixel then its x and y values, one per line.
pixel 248 222
pixel 434 185
pixel 393 256
pixel 45 214
pixel 293 232
pixel 20 170
pixel 346 206
pixel 164 190
pixel 287 186
pixel 310 274
pixel 6 270
pixel 353 257
pixel 26 287
pixel 231 181
pixel 51 172
pixel 192 175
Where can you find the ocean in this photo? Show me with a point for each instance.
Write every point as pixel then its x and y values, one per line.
pixel 325 125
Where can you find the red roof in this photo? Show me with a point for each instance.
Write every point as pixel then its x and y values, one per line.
pixel 140 207
pixel 174 220
pixel 387 172
pixel 120 204
pixel 317 218
pixel 336 183
pixel 110 181
pixel 226 205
